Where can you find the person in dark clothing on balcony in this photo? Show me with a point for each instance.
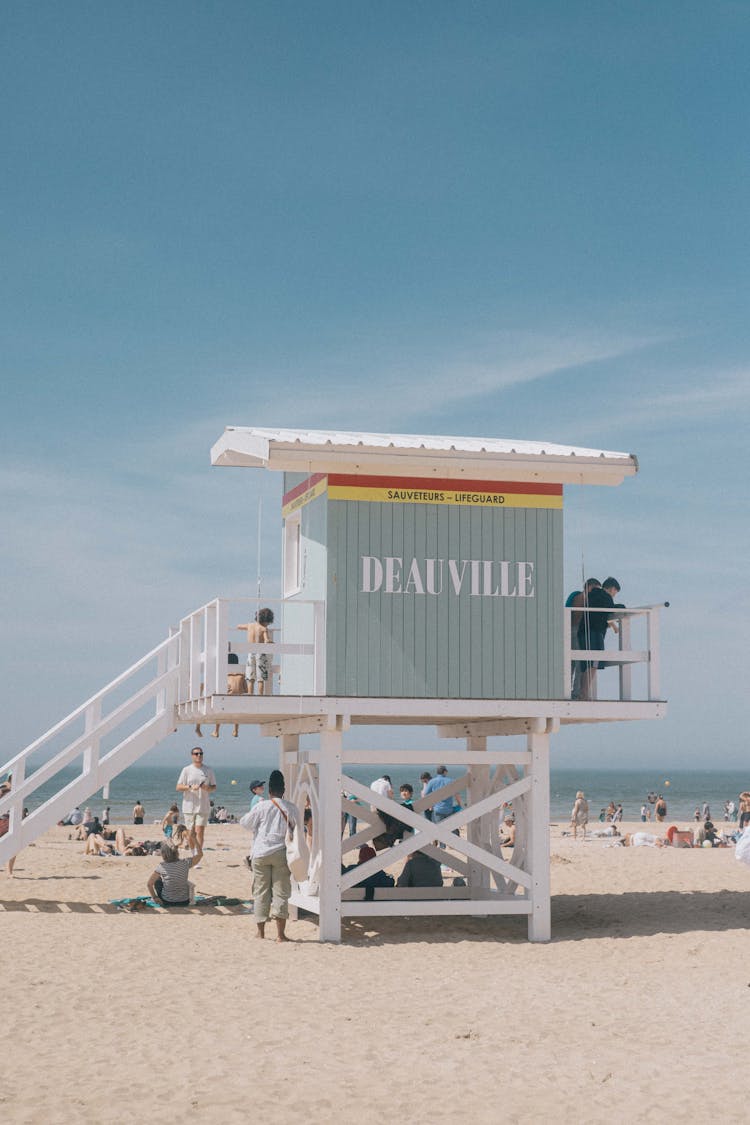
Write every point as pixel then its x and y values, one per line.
pixel 592 630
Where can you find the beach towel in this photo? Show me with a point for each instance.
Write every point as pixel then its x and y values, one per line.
pixel 145 902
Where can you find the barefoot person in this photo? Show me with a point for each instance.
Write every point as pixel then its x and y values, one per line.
pixel 258 663
pixel 195 783
pixel 269 821
pixel 579 816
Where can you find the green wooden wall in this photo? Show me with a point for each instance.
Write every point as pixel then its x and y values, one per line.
pixel 453 645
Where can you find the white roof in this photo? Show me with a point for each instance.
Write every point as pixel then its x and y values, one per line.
pixel 327 451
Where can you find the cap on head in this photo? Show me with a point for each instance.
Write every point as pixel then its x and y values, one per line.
pixel 257 784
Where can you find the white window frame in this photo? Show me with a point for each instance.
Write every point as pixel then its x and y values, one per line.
pixel 292 554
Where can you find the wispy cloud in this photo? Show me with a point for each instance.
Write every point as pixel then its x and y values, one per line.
pixel 700 395
pixel 380 383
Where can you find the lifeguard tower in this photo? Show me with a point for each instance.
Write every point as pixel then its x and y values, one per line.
pixel 422 586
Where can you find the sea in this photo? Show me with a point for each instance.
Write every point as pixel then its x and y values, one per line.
pixel 154 787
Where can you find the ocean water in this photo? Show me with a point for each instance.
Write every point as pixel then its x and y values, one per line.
pixel 154 786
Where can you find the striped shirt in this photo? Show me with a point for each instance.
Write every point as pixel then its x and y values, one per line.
pixel 174 877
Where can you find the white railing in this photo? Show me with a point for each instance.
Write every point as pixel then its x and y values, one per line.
pixel 645 618
pixel 98 740
pixel 210 634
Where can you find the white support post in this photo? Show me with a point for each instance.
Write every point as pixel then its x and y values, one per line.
pixel 330 834
pixel 289 766
pixel 476 830
pixel 567 654
pixel 289 762
pixel 540 924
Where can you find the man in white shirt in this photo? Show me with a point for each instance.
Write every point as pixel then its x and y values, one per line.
pixel 195 783
pixel 383 786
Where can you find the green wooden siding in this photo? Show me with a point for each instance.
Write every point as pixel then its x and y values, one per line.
pixel 445 645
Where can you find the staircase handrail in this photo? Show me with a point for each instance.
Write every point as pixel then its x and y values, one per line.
pixel 79 711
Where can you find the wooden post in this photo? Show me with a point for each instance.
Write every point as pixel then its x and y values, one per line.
pixel 476 833
pixel 540 924
pixel 289 766
pixel 329 772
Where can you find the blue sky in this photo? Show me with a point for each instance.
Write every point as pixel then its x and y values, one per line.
pixel 502 219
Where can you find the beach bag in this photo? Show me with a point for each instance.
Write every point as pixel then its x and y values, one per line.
pixel 236 684
pixel 297 851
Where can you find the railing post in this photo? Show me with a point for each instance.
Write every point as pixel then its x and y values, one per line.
pixel 653 653
pixel 626 671
pixel 183 680
pixel 210 654
pixel 195 656
pixel 222 645
pixel 91 751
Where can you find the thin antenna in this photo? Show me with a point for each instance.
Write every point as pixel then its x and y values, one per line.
pixel 260 524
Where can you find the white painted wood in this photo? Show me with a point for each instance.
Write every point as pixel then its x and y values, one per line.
pixel 409 894
pixel 540 923
pixel 330 835
pixel 484 729
pixel 513 904
pixel 322 451
pixel 477 788
pixel 653 648
pixel 411 712
pixel 429 757
pixel 625 670
pixel 425 832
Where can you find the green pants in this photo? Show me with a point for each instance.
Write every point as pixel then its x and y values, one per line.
pixel 272 886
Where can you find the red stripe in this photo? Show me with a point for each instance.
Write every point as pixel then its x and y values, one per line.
pixel 451 485
pixel 302 487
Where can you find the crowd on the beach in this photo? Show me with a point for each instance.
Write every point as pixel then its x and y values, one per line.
pixel 706 834
pixel 272 820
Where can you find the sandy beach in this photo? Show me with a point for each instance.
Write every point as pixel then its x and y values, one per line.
pixel 639 1007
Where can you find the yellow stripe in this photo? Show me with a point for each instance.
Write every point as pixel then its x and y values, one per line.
pixel 305 498
pixel 473 499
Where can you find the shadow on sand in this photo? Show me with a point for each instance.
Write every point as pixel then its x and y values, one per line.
pixel 574 918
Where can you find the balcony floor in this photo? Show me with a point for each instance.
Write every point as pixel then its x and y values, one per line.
pixel 317 712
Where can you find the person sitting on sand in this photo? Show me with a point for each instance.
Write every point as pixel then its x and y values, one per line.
pixel 420 870
pixel 707 831
pixel 97 845
pixel 507 838
pixel 609 831
pixel 87 828
pixel 169 884
pixel 579 816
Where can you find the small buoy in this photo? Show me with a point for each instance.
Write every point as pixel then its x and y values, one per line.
pixel 666 784
pixel 233 782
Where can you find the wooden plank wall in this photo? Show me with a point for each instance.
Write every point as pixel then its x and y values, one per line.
pixel 445 645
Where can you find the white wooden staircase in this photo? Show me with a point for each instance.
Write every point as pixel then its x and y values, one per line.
pixel 96 742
